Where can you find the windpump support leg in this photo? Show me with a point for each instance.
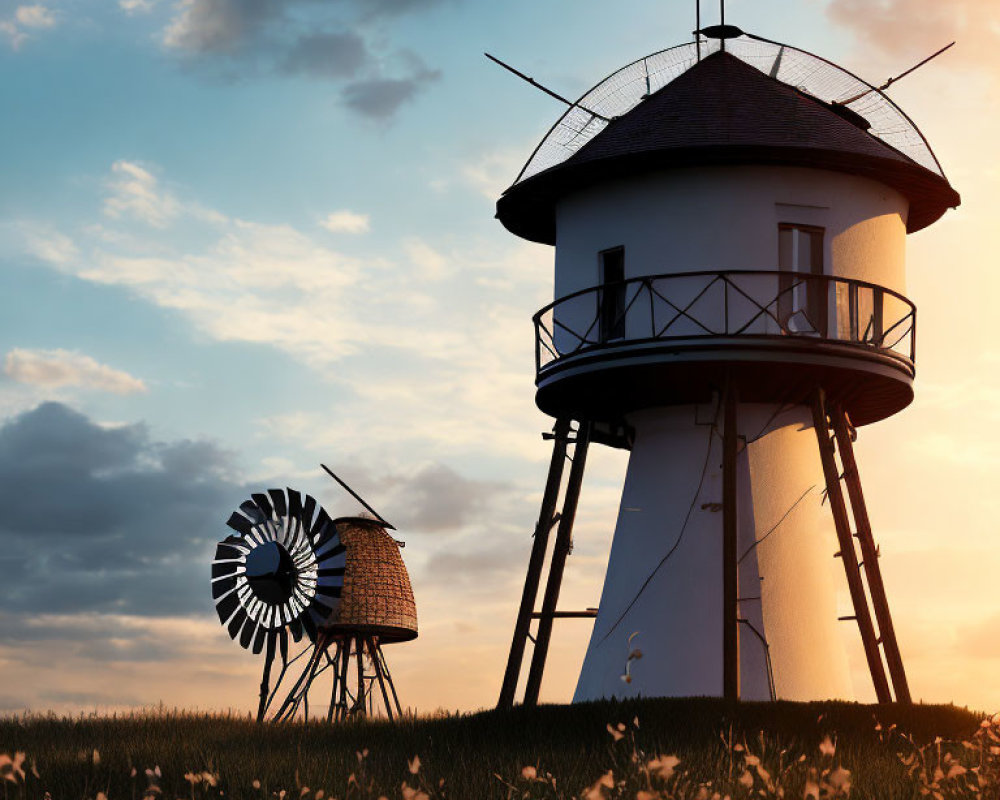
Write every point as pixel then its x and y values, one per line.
pixel 265 681
pixel 345 662
pixel 730 567
pixel 392 686
pixel 838 507
pixel 869 555
pixel 559 553
pixel 359 702
pixel 291 703
pixel 333 662
pixel 374 648
pixel 541 539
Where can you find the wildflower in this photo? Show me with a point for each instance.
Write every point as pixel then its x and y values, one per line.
pixel 664 766
pixel 618 732
pixel 840 780
pixel 827 747
pixel 596 792
pixel 409 793
pixel 11 768
pixel 256 784
pixel 414 765
pixel 529 773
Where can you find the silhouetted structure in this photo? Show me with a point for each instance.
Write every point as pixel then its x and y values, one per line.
pixel 341 583
pixel 729 221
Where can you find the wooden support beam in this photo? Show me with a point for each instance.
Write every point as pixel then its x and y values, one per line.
pixel 590 613
pixel 265 681
pixel 359 701
pixel 535 563
pixel 730 556
pixel 850 558
pixel 869 555
pixel 375 651
pixel 559 553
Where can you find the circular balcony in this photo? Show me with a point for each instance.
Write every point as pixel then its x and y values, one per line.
pixel 676 338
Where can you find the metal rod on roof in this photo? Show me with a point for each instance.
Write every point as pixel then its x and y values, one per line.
pixel 357 497
pixel 547 91
pixel 722 14
pixel 697 27
pixel 891 81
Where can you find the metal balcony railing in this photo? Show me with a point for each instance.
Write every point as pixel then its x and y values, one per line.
pixel 774 305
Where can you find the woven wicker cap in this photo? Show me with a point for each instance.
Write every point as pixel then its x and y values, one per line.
pixel 376 598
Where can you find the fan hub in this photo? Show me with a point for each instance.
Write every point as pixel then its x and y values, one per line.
pixel 271 573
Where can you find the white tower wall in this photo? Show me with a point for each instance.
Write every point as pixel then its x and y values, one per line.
pixel 718 218
pixel 712 219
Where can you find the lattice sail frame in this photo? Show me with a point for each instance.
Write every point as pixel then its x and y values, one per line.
pixel 316 553
pixel 624 89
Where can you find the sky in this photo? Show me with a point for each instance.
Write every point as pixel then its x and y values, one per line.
pixel 239 238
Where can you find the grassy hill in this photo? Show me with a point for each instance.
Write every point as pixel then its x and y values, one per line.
pixel 685 748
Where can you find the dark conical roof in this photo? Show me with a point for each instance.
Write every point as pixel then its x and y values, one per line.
pixel 724 111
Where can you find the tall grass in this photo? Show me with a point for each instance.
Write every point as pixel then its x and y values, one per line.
pixel 645 749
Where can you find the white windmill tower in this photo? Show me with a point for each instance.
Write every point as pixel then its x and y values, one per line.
pixel 729 220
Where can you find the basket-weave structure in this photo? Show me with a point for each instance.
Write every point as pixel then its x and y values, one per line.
pixel 376 598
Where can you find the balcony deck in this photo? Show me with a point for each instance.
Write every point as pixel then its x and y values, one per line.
pixel 674 338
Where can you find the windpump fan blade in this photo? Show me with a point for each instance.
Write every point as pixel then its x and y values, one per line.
pixel 282 572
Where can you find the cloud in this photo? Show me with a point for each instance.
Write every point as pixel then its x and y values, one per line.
pixel 439 499
pixel 34 16
pixel 913 29
pixel 327 55
pixel 104 519
pixel 56 368
pixel 206 26
pixel 136 6
pixel 135 193
pixel 381 98
pixel 430 264
pixel 345 221
pixel 47 244
pixel 331 41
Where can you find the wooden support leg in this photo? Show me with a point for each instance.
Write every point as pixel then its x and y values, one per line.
pixel 345 662
pixel 375 649
pixel 844 537
pixel 531 581
pixel 869 557
pixel 333 664
pixel 291 703
pixel 388 680
pixel 730 567
pixel 559 553
pixel 265 681
pixel 359 701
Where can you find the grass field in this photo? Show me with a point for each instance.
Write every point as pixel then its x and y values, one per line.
pixel 684 748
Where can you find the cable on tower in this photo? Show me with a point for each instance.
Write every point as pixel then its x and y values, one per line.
pixel 712 430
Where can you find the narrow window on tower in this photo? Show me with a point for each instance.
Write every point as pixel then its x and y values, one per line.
pixel 612 294
pixel 802 300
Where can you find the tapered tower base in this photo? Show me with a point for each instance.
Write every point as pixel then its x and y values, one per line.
pixel 665 574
